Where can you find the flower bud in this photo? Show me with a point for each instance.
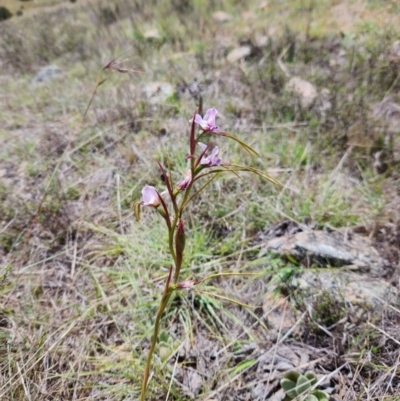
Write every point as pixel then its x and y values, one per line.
pixel 180 240
pixel 186 285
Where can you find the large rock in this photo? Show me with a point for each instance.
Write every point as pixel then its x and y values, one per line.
pixel 341 277
pixel 325 248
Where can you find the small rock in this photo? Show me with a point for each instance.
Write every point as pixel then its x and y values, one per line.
pixel 329 390
pixel 283 366
pixel 263 389
pixel 324 100
pixel 239 53
pixel 248 15
pixel 158 92
pixel 289 354
pixel 380 166
pixel 388 113
pixel 47 74
pixel 221 16
pixel 263 5
pixel 262 40
pixel 306 91
pixel 393 52
pixel 278 396
pixel 152 34
pixel 195 382
pixel 326 381
pixel 279 314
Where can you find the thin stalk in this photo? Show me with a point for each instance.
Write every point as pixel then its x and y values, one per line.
pixel 164 302
pixel 171 242
pixel 196 193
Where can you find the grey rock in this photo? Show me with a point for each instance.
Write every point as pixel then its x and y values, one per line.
pixel 328 249
pixel 278 396
pixel 351 288
pixel 195 382
pixel 279 314
pixel 239 53
pixel 326 381
pixel 264 388
pixel 393 52
pixel 388 113
pixel 158 92
pixel 152 34
pixel 283 357
pixel 283 366
pixel 262 40
pixel 329 390
pixel 47 74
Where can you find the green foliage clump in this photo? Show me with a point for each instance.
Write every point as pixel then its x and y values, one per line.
pixel 5 13
pixel 297 385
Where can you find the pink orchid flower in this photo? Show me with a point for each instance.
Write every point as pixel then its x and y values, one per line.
pixel 212 159
pixel 207 123
pixel 150 196
pixel 186 181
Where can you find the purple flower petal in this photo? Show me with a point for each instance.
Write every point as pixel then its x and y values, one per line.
pixel 186 181
pixel 150 196
pixel 210 116
pixel 212 159
pixel 203 146
pixel 215 161
pixel 197 119
pixel 208 122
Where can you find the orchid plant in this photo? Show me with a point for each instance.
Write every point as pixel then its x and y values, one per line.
pixel 204 165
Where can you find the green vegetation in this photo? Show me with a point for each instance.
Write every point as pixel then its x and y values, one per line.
pixel 298 386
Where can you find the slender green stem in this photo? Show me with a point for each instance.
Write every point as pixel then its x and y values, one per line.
pixel 196 193
pixel 160 312
pixel 163 304
pixel 171 233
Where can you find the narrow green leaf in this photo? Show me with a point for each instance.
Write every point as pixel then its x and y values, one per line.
pixel 198 191
pixel 262 174
pixel 242 366
pixel 246 147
